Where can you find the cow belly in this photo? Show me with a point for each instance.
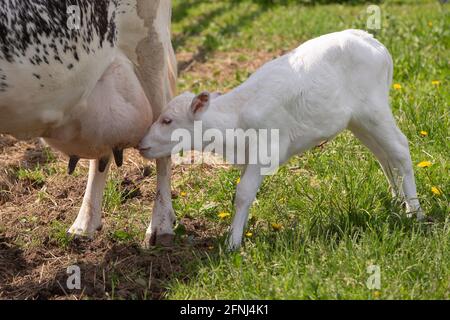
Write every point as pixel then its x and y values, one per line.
pixel 37 98
pixel 116 115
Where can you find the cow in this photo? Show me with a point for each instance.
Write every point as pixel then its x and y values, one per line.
pixel 89 77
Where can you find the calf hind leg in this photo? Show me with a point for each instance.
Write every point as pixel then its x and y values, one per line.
pixel 390 146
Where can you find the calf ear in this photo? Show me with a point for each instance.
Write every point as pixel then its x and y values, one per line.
pixel 201 103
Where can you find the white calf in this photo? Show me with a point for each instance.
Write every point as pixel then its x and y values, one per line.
pixel 89 79
pixel 335 82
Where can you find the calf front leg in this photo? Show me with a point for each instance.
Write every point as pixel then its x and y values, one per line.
pixel 245 195
pixel 89 219
pixel 160 231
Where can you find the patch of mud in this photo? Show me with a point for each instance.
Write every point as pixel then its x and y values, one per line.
pixel 35 253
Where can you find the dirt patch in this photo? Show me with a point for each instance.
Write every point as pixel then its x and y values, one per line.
pixel 35 251
pixel 224 65
pixel 108 270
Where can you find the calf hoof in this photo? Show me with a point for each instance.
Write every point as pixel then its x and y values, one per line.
pixel 155 239
pixel 420 216
pixel 233 244
pixel 426 219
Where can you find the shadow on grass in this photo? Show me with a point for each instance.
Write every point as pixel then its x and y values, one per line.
pixel 245 18
pixel 36 156
pixel 210 43
pixel 12 262
pixel 180 10
pixel 353 223
pixel 274 3
pixel 198 26
pixel 111 270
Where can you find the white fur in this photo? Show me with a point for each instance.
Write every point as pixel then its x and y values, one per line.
pixel 335 82
pixel 89 219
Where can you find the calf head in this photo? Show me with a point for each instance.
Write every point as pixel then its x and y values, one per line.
pixel 180 114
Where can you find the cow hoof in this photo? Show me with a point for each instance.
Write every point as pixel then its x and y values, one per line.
pixel 162 240
pixel 81 233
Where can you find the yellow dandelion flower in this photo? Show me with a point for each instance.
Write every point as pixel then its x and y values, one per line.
pixel 183 194
pixel 435 83
pixel 249 234
pixel 376 294
pixel 277 226
pixel 224 215
pixel 425 164
pixel 238 180
pixel 430 24
pixel 397 86
pixel 424 133
pixel 436 191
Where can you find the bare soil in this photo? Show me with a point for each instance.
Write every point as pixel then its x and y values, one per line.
pixel 33 262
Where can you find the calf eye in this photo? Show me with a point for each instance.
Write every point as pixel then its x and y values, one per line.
pixel 167 121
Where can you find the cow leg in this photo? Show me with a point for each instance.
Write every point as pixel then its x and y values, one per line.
pixel 89 218
pixel 160 231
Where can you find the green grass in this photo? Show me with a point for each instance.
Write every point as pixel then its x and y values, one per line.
pixel 333 205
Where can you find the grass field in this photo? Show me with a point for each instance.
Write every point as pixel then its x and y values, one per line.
pixel 316 226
